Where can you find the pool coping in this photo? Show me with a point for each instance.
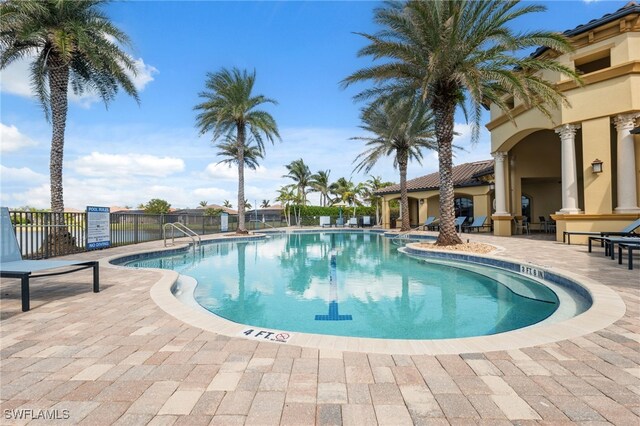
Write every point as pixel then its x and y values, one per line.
pixel 607 307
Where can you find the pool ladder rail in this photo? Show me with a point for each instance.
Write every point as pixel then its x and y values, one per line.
pixel 184 229
pixel 404 237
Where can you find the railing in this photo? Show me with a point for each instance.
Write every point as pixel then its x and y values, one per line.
pixel 404 236
pixel 256 221
pixel 183 229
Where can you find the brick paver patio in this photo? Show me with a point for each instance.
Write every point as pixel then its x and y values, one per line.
pixel 116 358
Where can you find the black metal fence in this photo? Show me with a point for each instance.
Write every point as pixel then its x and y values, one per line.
pixel 41 235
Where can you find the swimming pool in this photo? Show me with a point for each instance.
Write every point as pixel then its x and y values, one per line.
pixel 356 284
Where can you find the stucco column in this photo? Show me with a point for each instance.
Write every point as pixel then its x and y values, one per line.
pixel 627 198
pixel 386 214
pixel 567 134
pixel 500 183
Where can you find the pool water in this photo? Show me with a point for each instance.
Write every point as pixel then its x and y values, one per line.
pixel 356 284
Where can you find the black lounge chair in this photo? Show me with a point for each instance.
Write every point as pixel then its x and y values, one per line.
pixel 629 247
pixel 627 231
pixel 12 265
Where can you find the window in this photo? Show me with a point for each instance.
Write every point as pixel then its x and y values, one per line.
pixel 463 206
pixel 526 207
pixel 593 62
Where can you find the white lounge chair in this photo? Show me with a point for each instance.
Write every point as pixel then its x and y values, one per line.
pixel 12 265
pixel 325 221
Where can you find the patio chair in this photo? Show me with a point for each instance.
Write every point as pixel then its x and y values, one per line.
pixel 366 221
pixel 325 221
pixel 627 231
pixel 353 222
pixel 459 222
pixel 522 225
pixel 12 265
pixel 428 222
pixel 477 224
pixel 339 221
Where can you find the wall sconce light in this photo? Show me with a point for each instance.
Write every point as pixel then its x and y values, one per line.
pixel 596 166
pixel 421 201
pixel 492 186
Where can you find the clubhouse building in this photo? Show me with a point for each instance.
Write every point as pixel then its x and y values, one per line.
pixel 581 167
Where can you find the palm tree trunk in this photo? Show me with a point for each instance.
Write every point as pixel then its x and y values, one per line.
pixel 58 82
pixel 404 200
pixel 60 241
pixel 444 109
pixel 241 136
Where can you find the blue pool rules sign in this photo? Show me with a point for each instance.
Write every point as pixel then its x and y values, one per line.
pixel 98 228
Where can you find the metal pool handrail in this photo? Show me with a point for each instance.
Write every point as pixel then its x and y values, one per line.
pixel 185 230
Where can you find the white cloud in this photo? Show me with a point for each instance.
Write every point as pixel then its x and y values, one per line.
pixel 144 74
pixel 212 194
pixel 16 79
pixel 12 139
pixel 470 151
pixel 220 171
pixel 123 165
pixel 22 174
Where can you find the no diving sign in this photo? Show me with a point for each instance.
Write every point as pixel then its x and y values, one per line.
pixel 271 336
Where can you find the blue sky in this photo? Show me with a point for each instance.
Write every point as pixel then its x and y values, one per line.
pixel 129 153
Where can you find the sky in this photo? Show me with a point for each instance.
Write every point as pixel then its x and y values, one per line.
pixel 126 154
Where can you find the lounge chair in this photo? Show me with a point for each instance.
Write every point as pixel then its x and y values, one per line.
pixel 325 221
pixel 428 222
pixel 627 231
pixel 629 248
pixel 610 242
pixel 12 265
pixel 478 223
pixel 459 222
pixel 339 222
pixel 353 222
pixel 366 221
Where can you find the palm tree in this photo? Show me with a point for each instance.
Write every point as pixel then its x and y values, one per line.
pixel 227 204
pixel 320 183
pixel 348 192
pixel 301 175
pixel 247 205
pixel 265 204
pixel 230 108
pixel 229 149
pixel 452 51
pixel 75 45
pixel 287 196
pixel 372 185
pixel 402 129
pixel 203 204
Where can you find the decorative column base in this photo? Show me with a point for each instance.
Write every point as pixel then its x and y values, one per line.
pixel 569 211
pixel 501 225
pixel 625 210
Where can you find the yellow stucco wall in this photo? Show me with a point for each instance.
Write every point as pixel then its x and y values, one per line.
pixel 597 186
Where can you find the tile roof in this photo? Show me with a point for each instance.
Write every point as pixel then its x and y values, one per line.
pixel 627 9
pixel 466 174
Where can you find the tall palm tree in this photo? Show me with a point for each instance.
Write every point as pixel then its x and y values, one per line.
pixel 301 175
pixel 227 204
pixel 229 150
pixel 456 51
pixel 320 183
pixel 75 45
pixel 203 203
pixel 265 203
pixel 286 196
pixel 402 129
pixel 230 108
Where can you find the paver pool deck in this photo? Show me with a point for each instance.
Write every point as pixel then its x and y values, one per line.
pixel 117 358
